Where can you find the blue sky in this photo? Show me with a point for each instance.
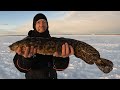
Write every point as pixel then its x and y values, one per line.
pixel 13 19
pixel 73 22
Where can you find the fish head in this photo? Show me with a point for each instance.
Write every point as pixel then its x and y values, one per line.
pixel 14 46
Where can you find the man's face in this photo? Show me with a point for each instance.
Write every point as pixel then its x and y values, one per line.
pixel 41 25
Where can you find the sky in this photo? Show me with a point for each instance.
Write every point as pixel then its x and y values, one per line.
pixel 62 22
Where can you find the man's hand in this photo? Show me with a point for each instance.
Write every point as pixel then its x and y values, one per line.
pixel 67 50
pixel 27 52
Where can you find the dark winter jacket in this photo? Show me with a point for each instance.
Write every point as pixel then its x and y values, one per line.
pixel 40 66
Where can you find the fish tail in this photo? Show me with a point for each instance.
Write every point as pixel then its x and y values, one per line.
pixel 104 65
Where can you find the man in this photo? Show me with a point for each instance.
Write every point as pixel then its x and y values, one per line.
pixel 38 66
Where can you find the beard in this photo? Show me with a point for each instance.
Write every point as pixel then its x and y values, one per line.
pixel 41 29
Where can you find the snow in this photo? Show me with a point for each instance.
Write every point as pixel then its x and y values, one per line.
pixel 107 45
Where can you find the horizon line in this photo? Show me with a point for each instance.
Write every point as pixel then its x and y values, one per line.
pixel 55 34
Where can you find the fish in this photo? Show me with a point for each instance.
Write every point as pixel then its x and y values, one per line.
pixel 82 50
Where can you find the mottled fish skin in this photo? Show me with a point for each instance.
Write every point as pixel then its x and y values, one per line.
pixel 82 50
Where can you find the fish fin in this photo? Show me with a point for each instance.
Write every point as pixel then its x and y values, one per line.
pixel 104 65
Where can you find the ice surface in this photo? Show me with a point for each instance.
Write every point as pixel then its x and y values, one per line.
pixel 107 45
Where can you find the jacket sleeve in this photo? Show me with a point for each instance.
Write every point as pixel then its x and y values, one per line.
pixel 21 63
pixel 60 63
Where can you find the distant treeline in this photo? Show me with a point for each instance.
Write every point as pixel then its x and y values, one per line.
pixel 65 34
pixel 13 35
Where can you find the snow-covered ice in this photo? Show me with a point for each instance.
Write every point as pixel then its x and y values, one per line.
pixel 107 45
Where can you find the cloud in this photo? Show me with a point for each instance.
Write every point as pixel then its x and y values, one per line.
pixel 3 24
pixel 6 27
pixel 88 22
pixel 24 28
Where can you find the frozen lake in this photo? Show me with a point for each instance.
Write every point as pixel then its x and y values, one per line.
pixel 107 45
